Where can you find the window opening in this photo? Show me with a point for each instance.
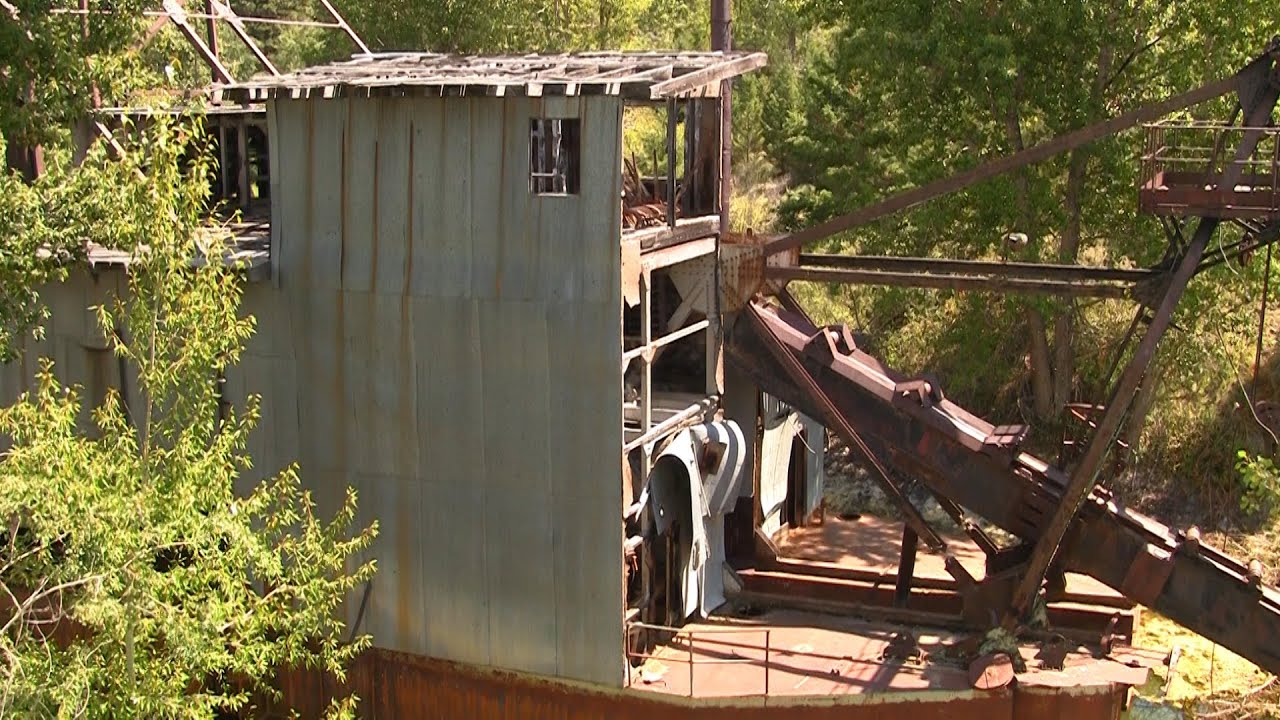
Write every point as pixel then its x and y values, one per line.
pixel 553 156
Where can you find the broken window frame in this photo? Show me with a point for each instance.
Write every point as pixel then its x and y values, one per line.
pixel 555 160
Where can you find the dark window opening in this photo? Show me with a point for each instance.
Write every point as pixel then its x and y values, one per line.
pixel 553 156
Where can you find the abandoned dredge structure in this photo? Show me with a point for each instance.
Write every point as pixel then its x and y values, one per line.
pixel 585 424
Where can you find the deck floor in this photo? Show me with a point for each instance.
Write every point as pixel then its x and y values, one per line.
pixel 872 544
pixel 818 654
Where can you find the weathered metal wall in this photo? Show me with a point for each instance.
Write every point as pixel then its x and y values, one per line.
pixel 73 342
pixel 448 344
pixel 396 686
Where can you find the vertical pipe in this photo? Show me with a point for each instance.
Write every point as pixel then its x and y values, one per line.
pixel 722 39
pixel 767 634
pixel 242 155
pixel 906 566
pixel 672 114
pixel 1262 319
pixel 224 160
pixel 690 663
pixel 646 368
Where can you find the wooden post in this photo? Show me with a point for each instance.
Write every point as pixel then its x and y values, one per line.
pixel 242 154
pixel 646 368
pixel 672 114
pixel 722 39
pixel 211 25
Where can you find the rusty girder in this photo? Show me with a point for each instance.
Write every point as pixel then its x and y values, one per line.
pixel 909 423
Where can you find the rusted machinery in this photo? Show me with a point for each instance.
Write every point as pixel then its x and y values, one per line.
pixel 1064 521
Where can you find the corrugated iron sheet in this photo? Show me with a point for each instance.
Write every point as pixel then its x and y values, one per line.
pixel 447 344
pixel 456 344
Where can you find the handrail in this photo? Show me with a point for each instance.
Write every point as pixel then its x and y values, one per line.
pixel 691 634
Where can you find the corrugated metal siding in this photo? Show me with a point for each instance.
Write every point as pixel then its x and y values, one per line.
pixel 448 345
pixel 74 344
pixel 454 345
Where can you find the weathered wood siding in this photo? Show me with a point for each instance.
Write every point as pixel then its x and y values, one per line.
pixel 451 344
pixel 447 344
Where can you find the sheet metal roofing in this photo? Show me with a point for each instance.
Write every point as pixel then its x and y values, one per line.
pixel 636 75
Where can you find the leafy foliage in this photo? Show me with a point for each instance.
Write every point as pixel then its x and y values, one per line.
pixel 911 92
pixel 139 584
pixel 1260 483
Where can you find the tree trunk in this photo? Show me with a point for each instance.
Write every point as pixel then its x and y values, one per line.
pixel 1068 254
pixel 1143 401
pixel 1041 371
pixel 1042 375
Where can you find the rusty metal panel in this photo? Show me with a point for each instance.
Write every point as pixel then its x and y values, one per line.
pixel 1092 701
pixel 392 685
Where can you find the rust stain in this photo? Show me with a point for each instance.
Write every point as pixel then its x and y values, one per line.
pixel 373 250
pixel 408 235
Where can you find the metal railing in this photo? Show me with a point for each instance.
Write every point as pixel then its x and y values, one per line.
pixel 690 634
pixel 1198 152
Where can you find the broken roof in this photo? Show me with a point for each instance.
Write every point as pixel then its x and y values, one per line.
pixel 635 75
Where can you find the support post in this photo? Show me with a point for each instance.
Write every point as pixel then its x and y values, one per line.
pixel 646 374
pixel 242 154
pixel 767 634
pixel 690 663
pixel 673 112
pixel 722 40
pixel 211 29
pixel 906 566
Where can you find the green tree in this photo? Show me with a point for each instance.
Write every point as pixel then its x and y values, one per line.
pixel 138 583
pixel 913 91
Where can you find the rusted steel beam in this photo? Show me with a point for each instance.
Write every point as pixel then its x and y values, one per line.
pixel 941 445
pixel 999 166
pixel 223 11
pixel 950 281
pixel 1042 271
pixel 1200 589
pixel 835 420
pixel 211 28
pixel 1084 477
pixel 178 15
pixel 342 23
